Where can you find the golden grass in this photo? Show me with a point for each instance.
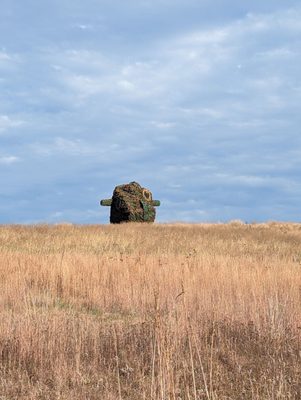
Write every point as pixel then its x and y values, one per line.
pixel 135 311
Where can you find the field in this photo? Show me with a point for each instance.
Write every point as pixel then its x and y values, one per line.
pixel 152 312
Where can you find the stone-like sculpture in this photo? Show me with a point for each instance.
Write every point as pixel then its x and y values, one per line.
pixel 131 203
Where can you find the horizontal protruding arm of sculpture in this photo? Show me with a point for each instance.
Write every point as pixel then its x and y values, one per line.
pixel 108 203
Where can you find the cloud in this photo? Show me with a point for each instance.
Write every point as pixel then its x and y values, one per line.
pixel 7 122
pixel 9 62
pixel 4 57
pixel 194 65
pixel 8 160
pixel 84 27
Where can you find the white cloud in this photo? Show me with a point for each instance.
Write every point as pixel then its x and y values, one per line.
pixel 84 27
pixel 86 86
pixel 9 61
pixel 8 160
pixel 4 56
pixel 207 37
pixel 7 122
pixel 163 125
pixel 62 145
pixel 126 85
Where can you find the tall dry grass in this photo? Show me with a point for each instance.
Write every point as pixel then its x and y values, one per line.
pixel 150 312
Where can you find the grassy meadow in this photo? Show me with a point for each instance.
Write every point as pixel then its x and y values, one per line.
pixel 154 312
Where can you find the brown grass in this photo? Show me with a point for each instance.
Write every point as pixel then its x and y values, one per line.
pixel 150 312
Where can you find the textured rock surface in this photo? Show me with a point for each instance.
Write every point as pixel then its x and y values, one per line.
pixel 132 202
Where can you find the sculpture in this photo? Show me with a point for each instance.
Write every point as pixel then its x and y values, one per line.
pixel 131 203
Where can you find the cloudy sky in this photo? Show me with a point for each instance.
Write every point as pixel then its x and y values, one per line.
pixel 198 100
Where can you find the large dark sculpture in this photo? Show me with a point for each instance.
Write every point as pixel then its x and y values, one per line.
pixel 131 203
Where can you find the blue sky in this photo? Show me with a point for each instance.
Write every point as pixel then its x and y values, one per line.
pixel 197 100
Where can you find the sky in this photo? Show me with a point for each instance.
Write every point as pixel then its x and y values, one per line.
pixel 197 100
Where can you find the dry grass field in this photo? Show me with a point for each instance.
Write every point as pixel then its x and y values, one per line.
pixel 153 312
